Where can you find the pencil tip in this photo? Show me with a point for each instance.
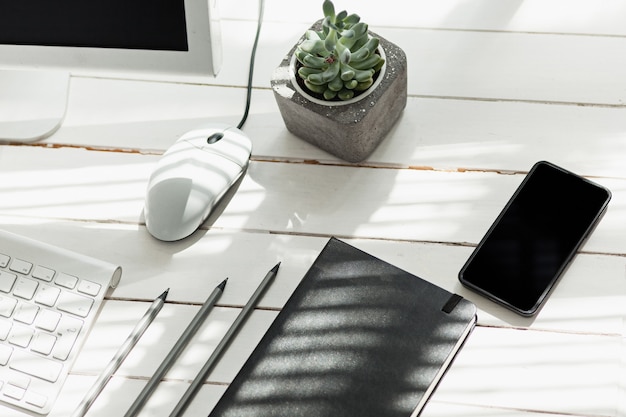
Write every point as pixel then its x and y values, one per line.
pixel 163 296
pixel 222 284
pixel 275 269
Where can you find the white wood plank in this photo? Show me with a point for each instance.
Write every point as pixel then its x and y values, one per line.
pixel 119 317
pixel 438 409
pixel 388 204
pixel 588 299
pixel 514 66
pixel 556 16
pixel 284 198
pixel 487 65
pixel 556 372
pixel 145 115
pixel 466 64
pixel 64 183
pixel 122 391
pixel 119 393
pixel 150 116
pixel 536 371
pixel 438 133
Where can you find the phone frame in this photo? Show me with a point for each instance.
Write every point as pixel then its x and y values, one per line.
pixel 550 285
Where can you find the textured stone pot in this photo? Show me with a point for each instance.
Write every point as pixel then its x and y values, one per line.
pixel 350 130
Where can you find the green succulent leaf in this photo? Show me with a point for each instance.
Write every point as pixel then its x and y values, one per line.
pixel 319 89
pixel 360 55
pixel 352 19
pixel 366 50
pixel 304 72
pixel 364 75
pixel 345 56
pixel 326 76
pixel 368 63
pixel 351 84
pixel 348 34
pixel 329 94
pixel 301 55
pixel 379 65
pixel 312 35
pixel 345 94
pixel 314 61
pixel 362 86
pixel 347 72
pixel 331 40
pixel 358 44
pixel 315 47
pixel 335 84
pixel 328 8
pixel 360 29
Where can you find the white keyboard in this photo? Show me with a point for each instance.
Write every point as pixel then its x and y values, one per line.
pixel 49 298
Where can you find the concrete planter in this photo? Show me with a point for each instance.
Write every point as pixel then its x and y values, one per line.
pixel 350 130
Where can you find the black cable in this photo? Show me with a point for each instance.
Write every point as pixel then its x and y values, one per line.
pixel 252 56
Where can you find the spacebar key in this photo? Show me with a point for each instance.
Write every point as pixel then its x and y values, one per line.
pixel 35 365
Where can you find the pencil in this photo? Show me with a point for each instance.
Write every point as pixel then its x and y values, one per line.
pixel 120 355
pixel 171 357
pixel 204 372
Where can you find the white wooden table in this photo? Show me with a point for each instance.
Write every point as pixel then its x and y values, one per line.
pixel 494 86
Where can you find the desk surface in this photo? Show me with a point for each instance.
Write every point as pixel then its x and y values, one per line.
pixel 494 86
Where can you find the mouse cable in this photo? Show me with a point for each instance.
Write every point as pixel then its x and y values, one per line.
pixel 251 72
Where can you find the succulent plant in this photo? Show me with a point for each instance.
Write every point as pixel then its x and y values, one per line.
pixel 341 59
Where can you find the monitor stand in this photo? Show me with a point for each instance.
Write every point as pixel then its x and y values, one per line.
pixel 32 103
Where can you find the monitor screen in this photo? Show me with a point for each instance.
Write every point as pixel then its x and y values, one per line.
pixel 124 24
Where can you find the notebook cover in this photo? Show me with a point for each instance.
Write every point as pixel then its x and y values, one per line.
pixel 359 337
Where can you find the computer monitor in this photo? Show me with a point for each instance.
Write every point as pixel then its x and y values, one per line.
pixel 43 42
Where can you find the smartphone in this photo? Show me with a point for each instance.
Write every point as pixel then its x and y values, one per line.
pixel 535 237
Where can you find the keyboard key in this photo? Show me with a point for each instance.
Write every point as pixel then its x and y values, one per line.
pixel 74 303
pixel 47 295
pixel 4 260
pixel 43 343
pixel 36 399
pixel 20 335
pixel 35 365
pixel 25 288
pixel 67 333
pixel 43 273
pixel 7 280
pixel 66 280
pixel 7 305
pixel 26 312
pixel 21 266
pixel 5 328
pixel 13 391
pixel 47 320
pixel 89 288
pixel 5 354
pixel 20 381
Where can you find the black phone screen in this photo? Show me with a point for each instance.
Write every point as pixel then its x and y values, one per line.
pixel 534 237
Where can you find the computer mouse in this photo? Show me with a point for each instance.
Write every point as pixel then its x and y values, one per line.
pixel 191 177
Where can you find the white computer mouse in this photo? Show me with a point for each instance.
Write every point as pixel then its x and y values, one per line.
pixel 191 177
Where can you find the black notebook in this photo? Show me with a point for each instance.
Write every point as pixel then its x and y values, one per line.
pixel 359 337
